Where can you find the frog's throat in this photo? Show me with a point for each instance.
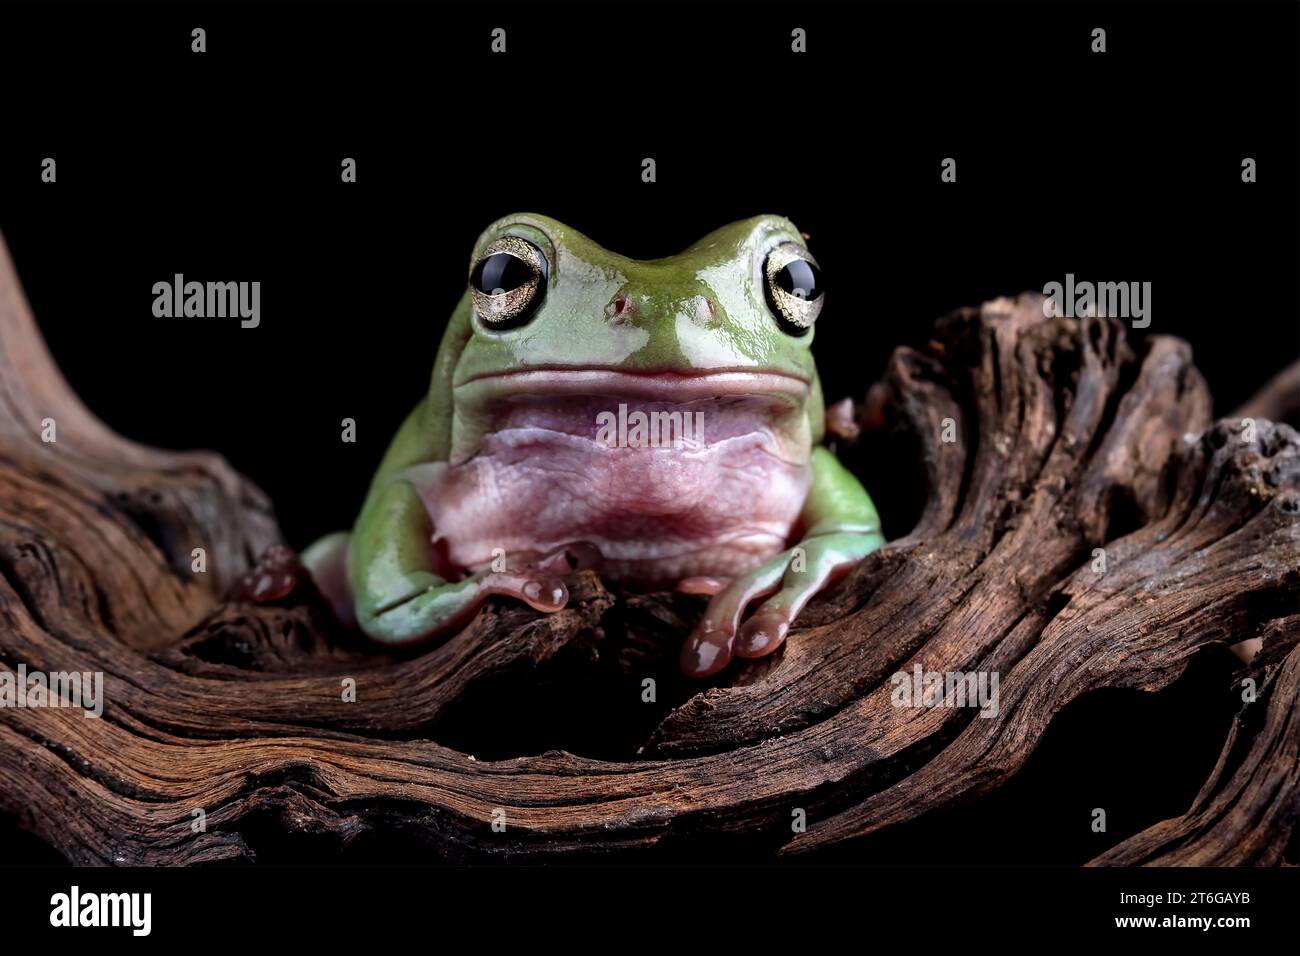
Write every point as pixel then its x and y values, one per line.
pixel 603 405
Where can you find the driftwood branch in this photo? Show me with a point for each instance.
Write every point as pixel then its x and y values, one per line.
pixel 1067 440
pixel 1278 399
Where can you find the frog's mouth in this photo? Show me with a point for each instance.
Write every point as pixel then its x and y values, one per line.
pixel 634 412
pixel 652 386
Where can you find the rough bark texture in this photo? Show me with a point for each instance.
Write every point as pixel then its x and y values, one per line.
pixel 1064 440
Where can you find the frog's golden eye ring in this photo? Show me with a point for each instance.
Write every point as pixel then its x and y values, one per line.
pixel 792 283
pixel 508 282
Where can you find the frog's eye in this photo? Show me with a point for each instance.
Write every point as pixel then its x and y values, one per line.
pixel 508 282
pixel 792 283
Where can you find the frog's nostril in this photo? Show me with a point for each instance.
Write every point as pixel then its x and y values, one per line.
pixel 621 307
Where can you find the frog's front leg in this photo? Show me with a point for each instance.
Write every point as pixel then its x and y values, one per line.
pixel 398 597
pixel 842 528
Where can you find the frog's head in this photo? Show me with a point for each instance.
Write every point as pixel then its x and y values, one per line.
pixel 552 313
pixel 544 296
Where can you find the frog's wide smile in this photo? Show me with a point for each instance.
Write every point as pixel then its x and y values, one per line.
pixel 661 386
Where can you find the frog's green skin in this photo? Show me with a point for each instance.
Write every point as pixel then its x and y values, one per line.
pixel 495 457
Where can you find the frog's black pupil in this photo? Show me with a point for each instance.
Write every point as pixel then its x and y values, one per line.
pixel 501 271
pixel 802 275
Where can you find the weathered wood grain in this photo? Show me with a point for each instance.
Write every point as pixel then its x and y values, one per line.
pixel 1067 439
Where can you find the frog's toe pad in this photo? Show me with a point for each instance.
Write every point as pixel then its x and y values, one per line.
pixel 706 651
pixel 782 588
pixel 539 591
pixel 763 633
pixel 277 573
pixel 700 584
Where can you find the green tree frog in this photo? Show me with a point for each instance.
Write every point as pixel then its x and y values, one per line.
pixel 660 421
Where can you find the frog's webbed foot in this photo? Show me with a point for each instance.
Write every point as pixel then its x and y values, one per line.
pixel 431 606
pixel 788 582
pixel 438 607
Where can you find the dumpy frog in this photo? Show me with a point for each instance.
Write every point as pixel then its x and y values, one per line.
pixel 660 421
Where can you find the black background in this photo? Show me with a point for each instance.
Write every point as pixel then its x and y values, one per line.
pixel 1123 166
